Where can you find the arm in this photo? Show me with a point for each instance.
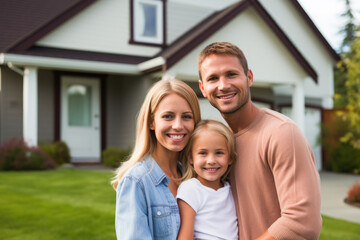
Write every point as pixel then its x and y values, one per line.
pixel 297 184
pixel 131 211
pixel 187 221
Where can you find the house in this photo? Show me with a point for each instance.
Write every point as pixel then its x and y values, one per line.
pixel 78 70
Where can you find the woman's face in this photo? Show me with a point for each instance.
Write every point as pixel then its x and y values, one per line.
pixel 173 123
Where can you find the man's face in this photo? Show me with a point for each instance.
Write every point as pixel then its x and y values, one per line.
pixel 224 83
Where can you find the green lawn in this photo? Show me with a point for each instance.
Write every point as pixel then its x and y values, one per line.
pixel 75 204
pixel 60 204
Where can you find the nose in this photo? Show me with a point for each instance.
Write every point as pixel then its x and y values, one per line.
pixel 210 159
pixel 223 83
pixel 178 124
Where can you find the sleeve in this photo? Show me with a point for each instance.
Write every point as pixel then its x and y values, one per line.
pixel 297 184
pixel 131 211
pixel 188 192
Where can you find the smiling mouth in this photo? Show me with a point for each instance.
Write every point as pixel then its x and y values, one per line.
pixel 211 170
pixel 225 97
pixel 176 137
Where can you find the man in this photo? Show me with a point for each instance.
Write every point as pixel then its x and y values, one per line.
pixel 275 182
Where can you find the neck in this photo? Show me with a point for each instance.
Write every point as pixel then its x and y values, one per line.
pixel 167 161
pixel 240 119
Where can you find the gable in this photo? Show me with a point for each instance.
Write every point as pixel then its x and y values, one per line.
pixel 269 59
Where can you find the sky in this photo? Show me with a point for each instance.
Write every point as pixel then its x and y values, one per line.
pixel 326 14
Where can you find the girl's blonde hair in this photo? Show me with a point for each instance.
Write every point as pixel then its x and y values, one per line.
pixel 145 138
pixel 217 127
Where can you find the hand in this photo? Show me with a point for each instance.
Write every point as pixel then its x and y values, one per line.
pixel 265 236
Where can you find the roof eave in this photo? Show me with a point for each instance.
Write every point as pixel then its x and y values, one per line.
pixel 69 64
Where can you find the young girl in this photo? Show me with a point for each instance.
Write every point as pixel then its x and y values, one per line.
pixel 206 204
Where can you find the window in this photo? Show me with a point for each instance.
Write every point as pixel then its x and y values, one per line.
pixel 147 21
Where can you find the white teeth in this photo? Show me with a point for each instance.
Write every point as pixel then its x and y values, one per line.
pixel 227 97
pixel 176 136
pixel 211 169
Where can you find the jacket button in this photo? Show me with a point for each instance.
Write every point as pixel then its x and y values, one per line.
pixel 158 213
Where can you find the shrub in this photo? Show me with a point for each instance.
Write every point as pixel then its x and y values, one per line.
pixel 17 155
pixel 59 151
pixel 113 156
pixel 344 158
pixel 353 195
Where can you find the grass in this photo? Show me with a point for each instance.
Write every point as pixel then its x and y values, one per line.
pixel 75 204
pixel 60 204
pixel 336 229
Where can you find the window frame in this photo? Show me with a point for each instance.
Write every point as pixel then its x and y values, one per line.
pixel 135 10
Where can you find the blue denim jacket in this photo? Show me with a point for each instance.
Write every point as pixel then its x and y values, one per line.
pixel 145 207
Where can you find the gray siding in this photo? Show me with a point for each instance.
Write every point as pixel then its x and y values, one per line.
pixel 125 95
pixel 45 106
pixel 11 101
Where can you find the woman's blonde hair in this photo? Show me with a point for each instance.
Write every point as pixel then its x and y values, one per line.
pixel 145 138
pixel 217 127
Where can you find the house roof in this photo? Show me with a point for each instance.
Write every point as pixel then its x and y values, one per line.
pixel 22 23
pixel 182 46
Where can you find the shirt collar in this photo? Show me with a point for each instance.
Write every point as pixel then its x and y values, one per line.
pixel 156 174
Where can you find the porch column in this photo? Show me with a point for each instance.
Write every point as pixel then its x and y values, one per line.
pixel 30 106
pixel 298 105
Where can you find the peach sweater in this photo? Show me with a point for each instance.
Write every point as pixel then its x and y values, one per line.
pixel 275 182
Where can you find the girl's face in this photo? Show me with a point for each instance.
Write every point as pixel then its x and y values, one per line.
pixel 210 158
pixel 173 123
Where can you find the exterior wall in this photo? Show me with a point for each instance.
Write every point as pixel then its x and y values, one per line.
pixel 182 17
pixel 45 106
pixel 305 40
pixel 125 95
pixel 268 58
pixel 102 27
pixel 11 101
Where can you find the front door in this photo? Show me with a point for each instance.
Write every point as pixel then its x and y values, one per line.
pixel 80 117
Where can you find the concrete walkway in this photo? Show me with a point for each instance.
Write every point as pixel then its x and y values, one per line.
pixel 334 187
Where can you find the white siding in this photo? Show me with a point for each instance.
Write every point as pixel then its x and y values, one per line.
pixel 102 27
pixel 182 17
pixel 305 40
pixel 269 60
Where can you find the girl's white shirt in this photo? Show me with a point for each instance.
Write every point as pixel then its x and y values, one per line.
pixel 215 210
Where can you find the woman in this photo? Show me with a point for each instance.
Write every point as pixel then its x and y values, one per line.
pixel 146 184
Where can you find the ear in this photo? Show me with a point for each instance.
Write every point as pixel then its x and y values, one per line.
pixel 152 127
pixel 201 86
pixel 190 159
pixel 250 77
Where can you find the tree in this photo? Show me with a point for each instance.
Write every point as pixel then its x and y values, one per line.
pixel 349 29
pixel 352 115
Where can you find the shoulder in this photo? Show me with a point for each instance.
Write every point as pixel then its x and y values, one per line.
pixel 272 123
pixel 137 172
pixel 189 187
pixel 274 117
pixel 189 184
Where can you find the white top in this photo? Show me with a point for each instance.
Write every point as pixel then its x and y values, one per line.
pixel 215 210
